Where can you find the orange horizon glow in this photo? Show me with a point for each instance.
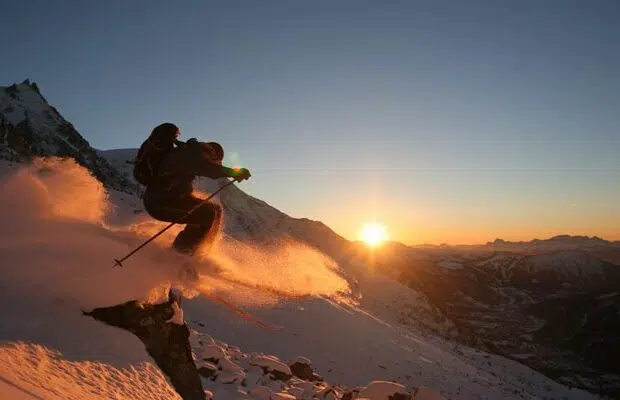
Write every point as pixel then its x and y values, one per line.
pixel 465 239
pixel 420 234
pixel 460 220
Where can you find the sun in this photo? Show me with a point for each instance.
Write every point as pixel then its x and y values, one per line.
pixel 373 234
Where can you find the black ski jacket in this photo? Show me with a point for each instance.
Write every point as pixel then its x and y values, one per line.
pixel 179 169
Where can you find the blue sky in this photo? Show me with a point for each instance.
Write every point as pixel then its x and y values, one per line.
pixel 447 121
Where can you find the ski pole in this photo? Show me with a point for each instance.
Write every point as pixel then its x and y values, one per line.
pixel 119 263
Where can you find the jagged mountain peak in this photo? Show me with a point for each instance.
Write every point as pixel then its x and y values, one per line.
pixel 31 127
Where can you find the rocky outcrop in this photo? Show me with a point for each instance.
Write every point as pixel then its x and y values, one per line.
pixel 227 369
pixel 166 341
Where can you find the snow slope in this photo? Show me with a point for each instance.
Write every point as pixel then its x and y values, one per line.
pixel 62 230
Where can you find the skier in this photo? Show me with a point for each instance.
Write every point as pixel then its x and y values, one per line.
pixel 167 167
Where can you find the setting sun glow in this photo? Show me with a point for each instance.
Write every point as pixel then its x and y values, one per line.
pixel 373 234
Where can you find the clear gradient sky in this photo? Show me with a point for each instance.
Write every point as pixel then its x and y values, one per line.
pixel 447 121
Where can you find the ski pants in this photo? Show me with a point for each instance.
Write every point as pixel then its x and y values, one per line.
pixel 203 224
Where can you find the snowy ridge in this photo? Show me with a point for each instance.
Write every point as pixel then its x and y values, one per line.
pixel 30 127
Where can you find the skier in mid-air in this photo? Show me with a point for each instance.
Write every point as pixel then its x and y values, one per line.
pixel 168 167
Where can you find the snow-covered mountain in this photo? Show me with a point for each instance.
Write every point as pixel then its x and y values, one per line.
pixel 30 127
pixel 556 311
pixel 384 327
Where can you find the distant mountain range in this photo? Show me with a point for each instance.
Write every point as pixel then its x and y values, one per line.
pixel 559 240
pixel 572 241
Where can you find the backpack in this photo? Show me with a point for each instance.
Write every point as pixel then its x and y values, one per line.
pixel 153 151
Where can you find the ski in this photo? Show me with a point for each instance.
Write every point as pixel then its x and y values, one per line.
pixel 244 314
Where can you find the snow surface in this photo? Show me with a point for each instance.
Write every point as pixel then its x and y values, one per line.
pixel 450 264
pixel 62 231
pixel 571 262
pixel 9 390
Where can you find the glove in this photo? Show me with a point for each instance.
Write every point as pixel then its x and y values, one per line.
pixel 241 174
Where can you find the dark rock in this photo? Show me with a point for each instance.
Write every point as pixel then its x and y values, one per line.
pixel 400 396
pixel 277 375
pixel 302 370
pixel 350 394
pixel 11 89
pixel 208 371
pixel 167 343
pixel 316 378
pixel 324 394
